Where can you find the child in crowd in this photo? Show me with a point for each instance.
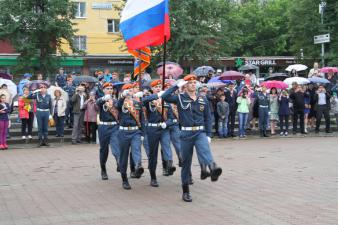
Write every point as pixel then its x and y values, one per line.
pixel 223 113
pixel 4 121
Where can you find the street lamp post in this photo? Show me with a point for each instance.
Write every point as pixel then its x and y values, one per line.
pixel 322 6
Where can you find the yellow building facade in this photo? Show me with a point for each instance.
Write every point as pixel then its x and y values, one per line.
pixel 98 36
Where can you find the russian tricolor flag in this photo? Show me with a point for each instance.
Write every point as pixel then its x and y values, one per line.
pixel 145 23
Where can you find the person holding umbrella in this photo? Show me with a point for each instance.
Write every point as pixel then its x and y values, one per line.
pixel 231 97
pixel 43 109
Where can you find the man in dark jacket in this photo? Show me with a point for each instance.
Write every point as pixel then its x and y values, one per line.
pixel 231 97
pixel 322 99
pixel 78 100
pixel 297 98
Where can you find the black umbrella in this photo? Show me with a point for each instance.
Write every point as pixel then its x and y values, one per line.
pixel 248 67
pixel 276 76
pixel 35 84
pixel 84 79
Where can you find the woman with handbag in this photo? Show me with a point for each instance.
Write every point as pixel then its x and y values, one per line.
pixel 59 106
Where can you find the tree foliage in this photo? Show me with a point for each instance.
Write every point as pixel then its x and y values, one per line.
pixel 36 29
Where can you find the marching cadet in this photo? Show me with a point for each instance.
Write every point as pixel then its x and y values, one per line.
pixel 108 128
pixel 130 133
pixel 43 109
pixel 158 120
pixel 195 122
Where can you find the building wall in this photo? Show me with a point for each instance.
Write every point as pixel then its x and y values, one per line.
pixel 95 27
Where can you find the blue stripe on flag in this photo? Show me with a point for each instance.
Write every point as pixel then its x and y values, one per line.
pixel 144 21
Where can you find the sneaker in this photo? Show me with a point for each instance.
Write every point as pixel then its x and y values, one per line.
pixel 281 133
pixel 5 146
pixel 30 136
pixel 286 133
pixel 23 137
pixel 2 147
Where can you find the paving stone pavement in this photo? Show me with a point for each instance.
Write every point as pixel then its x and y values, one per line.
pixel 271 181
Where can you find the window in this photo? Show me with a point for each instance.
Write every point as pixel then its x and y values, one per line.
pixel 80 43
pixel 80 9
pixel 113 25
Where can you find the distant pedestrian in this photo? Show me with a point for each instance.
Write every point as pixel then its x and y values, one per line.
pixel 223 114
pixel 23 82
pixel 231 97
pixel 59 105
pixel 243 102
pixel 273 110
pixel 27 108
pixel 335 106
pixel 78 101
pixel 298 103
pixel 284 112
pixel 60 78
pixel 4 121
pixel 70 89
pixel 322 99
pixel 90 117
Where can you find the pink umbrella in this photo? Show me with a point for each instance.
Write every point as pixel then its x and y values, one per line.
pixel 275 84
pixel 172 70
pixel 329 69
pixel 231 75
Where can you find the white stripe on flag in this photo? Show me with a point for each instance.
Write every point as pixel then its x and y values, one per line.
pixel 134 7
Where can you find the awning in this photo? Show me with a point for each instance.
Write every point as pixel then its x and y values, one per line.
pixel 65 61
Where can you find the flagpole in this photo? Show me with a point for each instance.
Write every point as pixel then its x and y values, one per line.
pixel 163 76
pixel 140 70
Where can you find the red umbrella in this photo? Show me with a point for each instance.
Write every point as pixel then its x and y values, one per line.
pixel 275 84
pixel 329 69
pixel 231 75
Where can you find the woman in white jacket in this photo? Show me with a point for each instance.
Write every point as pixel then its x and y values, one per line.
pixel 59 105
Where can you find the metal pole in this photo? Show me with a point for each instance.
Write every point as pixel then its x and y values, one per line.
pixel 163 76
pixel 323 53
pixel 322 22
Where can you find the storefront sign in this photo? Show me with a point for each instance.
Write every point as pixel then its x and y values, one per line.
pixel 113 62
pixel 102 5
pixel 264 62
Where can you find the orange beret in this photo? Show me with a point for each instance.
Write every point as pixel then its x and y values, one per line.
pixel 167 85
pixel 190 77
pixel 107 84
pixel 155 83
pixel 127 86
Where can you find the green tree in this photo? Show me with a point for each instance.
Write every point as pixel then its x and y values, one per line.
pixel 36 29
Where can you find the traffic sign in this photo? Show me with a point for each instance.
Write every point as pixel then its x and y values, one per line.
pixel 320 39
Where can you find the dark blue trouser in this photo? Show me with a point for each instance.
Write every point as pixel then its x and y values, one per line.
pixel 42 118
pixel 107 136
pixel 155 136
pixel 59 124
pixel 175 139
pixel 263 115
pixel 189 140
pixel 69 114
pixel 129 140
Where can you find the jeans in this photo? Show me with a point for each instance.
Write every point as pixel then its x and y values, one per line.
pixel 298 114
pixel 284 121
pixel 243 118
pixel 42 118
pixel 69 114
pixel 59 125
pixel 27 124
pixel 231 121
pixel 223 126
pixel 77 127
pixel 263 114
pixel 323 109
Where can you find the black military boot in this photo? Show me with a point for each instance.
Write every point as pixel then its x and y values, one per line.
pixel 45 142
pixel 165 171
pixel 170 168
pixel 215 171
pixel 265 134
pixel 153 181
pixel 261 133
pixel 139 171
pixel 40 143
pixel 104 174
pixel 186 194
pixel 125 183
pixel 204 173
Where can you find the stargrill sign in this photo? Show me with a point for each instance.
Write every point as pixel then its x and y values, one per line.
pixel 264 62
pixel 102 5
pixel 120 62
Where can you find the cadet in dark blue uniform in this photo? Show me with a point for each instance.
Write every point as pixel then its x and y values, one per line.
pixel 108 128
pixel 195 121
pixel 130 133
pixel 43 109
pixel 70 89
pixel 263 100
pixel 157 131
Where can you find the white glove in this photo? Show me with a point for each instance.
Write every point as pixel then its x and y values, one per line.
pixel 106 97
pixel 50 117
pixel 163 125
pixel 209 140
pixel 181 83
pixel 142 138
pixel 138 94
pixel 160 94
pixel 125 93
pixel 36 91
